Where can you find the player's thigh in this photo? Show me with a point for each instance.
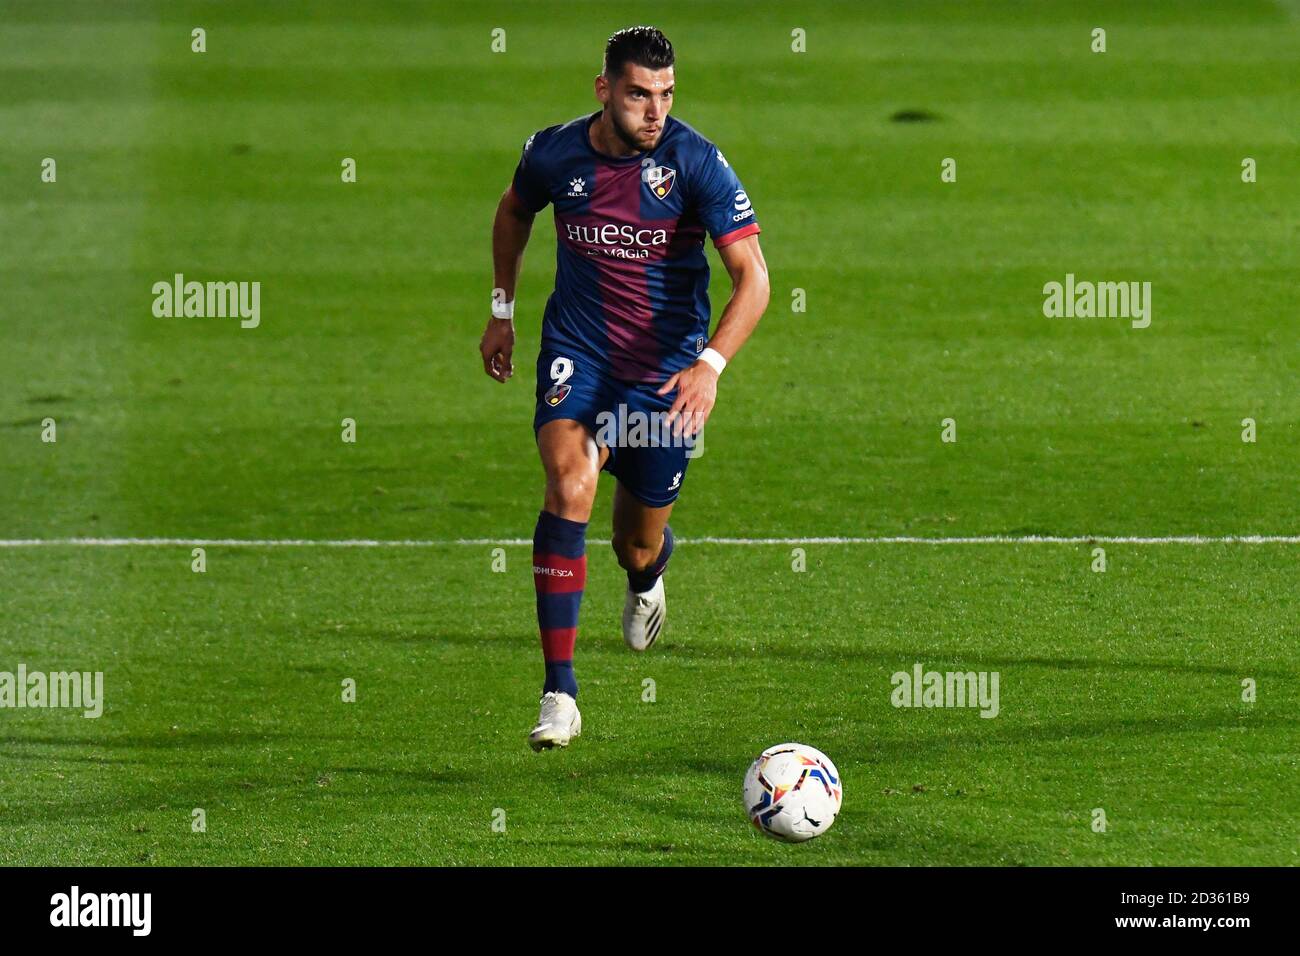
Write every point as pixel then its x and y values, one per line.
pixel 567 447
pixel 572 461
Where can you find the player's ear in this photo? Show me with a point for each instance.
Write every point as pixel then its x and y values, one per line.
pixel 602 88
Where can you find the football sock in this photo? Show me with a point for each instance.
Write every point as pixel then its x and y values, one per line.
pixel 642 581
pixel 559 575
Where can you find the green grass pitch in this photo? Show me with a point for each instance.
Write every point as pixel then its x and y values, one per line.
pixel 1120 691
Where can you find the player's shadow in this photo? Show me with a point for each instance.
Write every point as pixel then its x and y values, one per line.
pixel 655 852
pixel 182 740
pixel 7 753
pixel 433 639
pixel 891 658
pixel 229 782
pixel 997 732
pixel 939 658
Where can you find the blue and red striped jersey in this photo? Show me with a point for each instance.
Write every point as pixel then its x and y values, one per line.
pixel 631 276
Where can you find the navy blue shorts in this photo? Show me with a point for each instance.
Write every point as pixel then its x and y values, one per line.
pixel 625 417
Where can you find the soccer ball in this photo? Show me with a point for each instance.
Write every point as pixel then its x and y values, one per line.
pixel 793 792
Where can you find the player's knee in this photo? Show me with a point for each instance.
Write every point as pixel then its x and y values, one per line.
pixel 570 490
pixel 635 553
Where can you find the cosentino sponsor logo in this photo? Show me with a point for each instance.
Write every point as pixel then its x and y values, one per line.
pixel 76 908
pixel 624 241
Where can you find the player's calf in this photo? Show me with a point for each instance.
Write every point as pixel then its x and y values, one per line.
pixel 559 578
pixel 646 605
pixel 638 554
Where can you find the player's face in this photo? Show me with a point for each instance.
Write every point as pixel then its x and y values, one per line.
pixel 638 103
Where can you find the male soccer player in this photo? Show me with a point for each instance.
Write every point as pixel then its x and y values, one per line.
pixel 626 332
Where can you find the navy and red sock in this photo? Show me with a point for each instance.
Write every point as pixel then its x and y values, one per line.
pixel 642 581
pixel 559 576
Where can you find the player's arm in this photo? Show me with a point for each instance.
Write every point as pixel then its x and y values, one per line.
pixel 510 231
pixel 697 385
pixel 744 262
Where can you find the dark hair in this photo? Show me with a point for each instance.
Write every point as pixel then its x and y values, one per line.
pixel 643 46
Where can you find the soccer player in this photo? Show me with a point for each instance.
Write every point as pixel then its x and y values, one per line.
pixel 625 333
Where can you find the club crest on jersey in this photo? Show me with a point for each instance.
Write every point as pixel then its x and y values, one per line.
pixel 660 179
pixel 556 394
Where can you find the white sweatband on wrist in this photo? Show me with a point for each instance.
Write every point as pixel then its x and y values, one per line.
pixel 503 310
pixel 713 358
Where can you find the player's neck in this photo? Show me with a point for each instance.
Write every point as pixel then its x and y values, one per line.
pixel 603 139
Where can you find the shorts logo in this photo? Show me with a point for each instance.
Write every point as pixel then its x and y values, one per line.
pixel 556 394
pixel 660 179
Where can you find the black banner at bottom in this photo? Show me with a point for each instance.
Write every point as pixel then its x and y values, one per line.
pixel 337 905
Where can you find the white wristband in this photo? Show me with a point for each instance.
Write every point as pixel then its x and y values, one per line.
pixel 713 358
pixel 503 310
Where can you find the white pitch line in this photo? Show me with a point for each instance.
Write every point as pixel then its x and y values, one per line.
pixel 521 542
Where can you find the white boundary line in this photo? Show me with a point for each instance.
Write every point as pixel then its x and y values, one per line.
pixel 520 542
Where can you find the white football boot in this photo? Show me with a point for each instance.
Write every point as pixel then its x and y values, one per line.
pixel 558 722
pixel 643 616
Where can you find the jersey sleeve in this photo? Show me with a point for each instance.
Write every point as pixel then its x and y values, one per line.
pixel 530 179
pixel 724 206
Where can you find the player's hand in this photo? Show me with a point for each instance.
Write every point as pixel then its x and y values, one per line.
pixel 697 390
pixel 496 347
